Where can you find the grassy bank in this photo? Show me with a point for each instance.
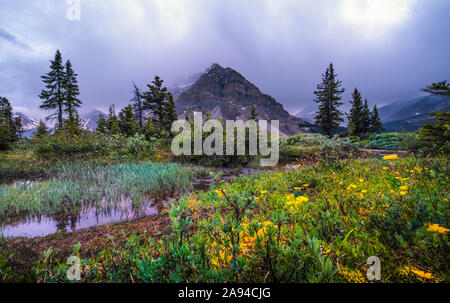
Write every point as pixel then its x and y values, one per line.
pixel 318 224
pixel 86 183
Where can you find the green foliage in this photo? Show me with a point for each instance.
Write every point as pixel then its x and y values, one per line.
pixel 328 95
pixel 127 125
pixel 439 88
pixel 10 128
pixel 316 146
pixel 41 131
pixel 435 136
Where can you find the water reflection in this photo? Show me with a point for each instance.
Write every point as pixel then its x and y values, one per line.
pixel 38 226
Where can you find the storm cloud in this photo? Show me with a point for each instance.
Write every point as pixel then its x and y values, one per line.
pixel 387 48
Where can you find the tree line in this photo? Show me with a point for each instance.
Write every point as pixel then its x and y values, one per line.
pixel 361 120
pixel 151 112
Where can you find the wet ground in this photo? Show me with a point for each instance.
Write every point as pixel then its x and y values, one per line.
pixel 72 221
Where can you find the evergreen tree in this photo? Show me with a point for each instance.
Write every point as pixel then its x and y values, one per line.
pixel 5 134
pixel 41 131
pixel 53 94
pixel 161 104
pixel 376 126
pixel 126 122
pixel 170 114
pixel 71 92
pixel 112 122
pixel 138 106
pixel 72 124
pixel 354 118
pixel 365 119
pixel 328 95
pixel 102 125
pixel 9 125
pixel 18 126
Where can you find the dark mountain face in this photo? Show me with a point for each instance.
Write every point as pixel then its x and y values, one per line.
pixel 411 114
pixel 226 94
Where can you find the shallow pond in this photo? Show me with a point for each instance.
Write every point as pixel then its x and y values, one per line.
pixel 43 225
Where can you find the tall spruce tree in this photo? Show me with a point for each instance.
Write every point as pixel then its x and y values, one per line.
pixel 328 95
pixel 376 126
pixel 53 94
pixel 138 106
pixel 161 104
pixel 126 122
pixel 354 118
pixel 71 91
pixel 365 119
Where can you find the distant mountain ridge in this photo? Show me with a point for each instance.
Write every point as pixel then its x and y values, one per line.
pixel 411 114
pixel 226 94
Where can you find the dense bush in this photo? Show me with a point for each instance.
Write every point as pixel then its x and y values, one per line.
pixel 62 144
pixel 308 146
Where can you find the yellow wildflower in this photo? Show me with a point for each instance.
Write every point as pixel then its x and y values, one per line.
pixel 404 188
pixel 437 228
pixel 391 157
pixel 301 199
pixel 305 185
pixel 219 193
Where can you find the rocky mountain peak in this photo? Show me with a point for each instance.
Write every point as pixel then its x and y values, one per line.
pixel 227 94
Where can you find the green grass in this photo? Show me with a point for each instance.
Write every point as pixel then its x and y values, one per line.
pixel 75 185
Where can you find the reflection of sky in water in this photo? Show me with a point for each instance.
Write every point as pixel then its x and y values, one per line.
pixel 46 225
pixel 39 226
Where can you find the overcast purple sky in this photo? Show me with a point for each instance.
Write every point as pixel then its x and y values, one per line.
pixel 387 48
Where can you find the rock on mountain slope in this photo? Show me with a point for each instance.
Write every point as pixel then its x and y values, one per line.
pixel 226 94
pixel 411 114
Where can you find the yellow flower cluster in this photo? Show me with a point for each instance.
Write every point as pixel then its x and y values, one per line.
pixel 437 228
pixel 391 157
pixel 351 276
pixel 292 201
pixel 422 275
pixel 220 256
